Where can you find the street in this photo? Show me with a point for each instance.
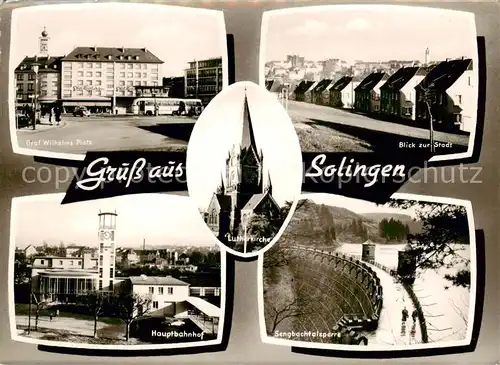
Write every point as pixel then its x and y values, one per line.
pixel 326 129
pixel 77 135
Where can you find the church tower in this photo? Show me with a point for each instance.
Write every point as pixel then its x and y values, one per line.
pixel 44 43
pixel 244 167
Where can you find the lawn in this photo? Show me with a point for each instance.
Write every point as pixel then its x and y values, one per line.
pixel 318 138
pixel 23 309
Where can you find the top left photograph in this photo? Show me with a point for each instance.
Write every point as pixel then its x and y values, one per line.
pixel 111 77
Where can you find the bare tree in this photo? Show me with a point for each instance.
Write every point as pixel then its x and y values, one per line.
pixel 95 301
pixel 291 309
pixel 132 306
pixel 429 97
pixel 39 306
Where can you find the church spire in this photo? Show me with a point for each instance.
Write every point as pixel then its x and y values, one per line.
pixel 269 185
pixel 247 136
pixel 221 189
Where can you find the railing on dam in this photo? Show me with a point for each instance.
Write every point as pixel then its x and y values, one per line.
pixel 364 276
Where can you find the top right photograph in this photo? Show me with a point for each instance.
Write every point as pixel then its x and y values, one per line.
pixel 375 78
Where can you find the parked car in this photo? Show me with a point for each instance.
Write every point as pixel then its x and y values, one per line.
pixel 81 111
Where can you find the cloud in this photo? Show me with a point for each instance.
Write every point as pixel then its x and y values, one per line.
pixel 310 27
pixel 358 24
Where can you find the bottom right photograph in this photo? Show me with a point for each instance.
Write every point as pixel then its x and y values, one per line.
pixel 396 276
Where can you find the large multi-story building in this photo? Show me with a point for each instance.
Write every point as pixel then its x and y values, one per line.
pixel 47 85
pixel 103 77
pixel 204 79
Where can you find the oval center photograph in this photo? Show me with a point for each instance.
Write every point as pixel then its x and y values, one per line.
pixel 244 168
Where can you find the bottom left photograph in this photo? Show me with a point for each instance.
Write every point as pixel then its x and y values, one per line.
pixel 131 272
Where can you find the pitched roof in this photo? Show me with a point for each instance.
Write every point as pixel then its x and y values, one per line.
pixel 322 85
pixel 46 64
pixel 304 86
pixel 370 81
pixel 224 201
pixel 341 83
pixel 399 79
pixel 109 54
pixel 156 280
pixel 255 200
pixel 445 74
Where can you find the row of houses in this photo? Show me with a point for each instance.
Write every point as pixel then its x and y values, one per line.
pixel 447 90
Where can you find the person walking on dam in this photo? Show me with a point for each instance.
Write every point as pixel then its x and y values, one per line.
pixel 404 314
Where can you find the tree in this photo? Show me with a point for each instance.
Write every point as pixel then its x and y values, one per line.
pixel 428 96
pixel 39 306
pixel 130 307
pixel 445 228
pixel 276 256
pixel 196 258
pixel 22 271
pixel 95 301
pixel 266 224
pixel 291 309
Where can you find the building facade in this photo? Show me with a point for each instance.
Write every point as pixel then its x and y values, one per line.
pixel 367 93
pixel 451 95
pixel 204 79
pixel 46 84
pixel 104 78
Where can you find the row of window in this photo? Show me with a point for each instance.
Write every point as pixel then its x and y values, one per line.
pixel 203 89
pixel 129 66
pixel 170 290
pixel 144 75
pixel 89 93
pixel 110 285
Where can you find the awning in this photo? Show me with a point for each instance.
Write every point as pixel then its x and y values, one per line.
pixel 208 308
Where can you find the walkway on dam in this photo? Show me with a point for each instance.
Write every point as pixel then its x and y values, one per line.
pixel 391 330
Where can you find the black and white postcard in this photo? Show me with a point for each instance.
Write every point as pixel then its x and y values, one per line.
pixel 134 272
pixel 244 167
pixel 375 78
pixel 114 76
pixel 398 276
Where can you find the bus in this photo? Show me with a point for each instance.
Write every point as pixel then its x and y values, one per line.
pixel 190 107
pixel 155 106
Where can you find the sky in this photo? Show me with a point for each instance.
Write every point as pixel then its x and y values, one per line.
pixel 371 33
pixel 220 127
pixel 161 219
pixel 175 35
pixel 356 205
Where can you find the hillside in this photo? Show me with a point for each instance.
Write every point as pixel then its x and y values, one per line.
pixel 415 226
pixel 325 226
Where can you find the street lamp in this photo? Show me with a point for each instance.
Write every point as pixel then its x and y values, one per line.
pixel 35 67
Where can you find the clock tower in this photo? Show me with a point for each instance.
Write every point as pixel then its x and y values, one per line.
pixel 107 249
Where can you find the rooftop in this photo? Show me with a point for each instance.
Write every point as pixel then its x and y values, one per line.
pixel 45 64
pixel 157 280
pixel 109 54
pixel 371 81
pixel 445 74
pixel 400 78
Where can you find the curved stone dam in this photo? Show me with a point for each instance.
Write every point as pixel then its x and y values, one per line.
pixel 339 295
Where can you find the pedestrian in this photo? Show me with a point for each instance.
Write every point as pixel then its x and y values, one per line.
pixel 404 314
pixel 57 112
pixel 50 316
pixel 414 315
pixel 57 312
pixel 51 115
